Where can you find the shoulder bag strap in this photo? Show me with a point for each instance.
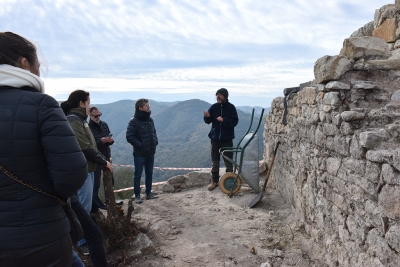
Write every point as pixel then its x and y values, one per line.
pixel 9 174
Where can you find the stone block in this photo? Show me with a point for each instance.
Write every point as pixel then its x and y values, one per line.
pixel 329 129
pixel 359 47
pixel 389 175
pixel 333 165
pixel 356 150
pixel 177 179
pixel 335 85
pixel 396 159
pixel 308 95
pixel 197 179
pixel 380 155
pixel 385 12
pixel 395 54
pixel 330 68
pixel 336 119
pixel 321 88
pixel 352 115
pixel 367 186
pixel 372 172
pixel 378 249
pixel 354 166
pixel 387 30
pixel 168 188
pixel 364 85
pixel 372 139
pixel 332 98
pixel 393 237
pixel 366 30
pixel 346 129
pixel 342 145
pixel 384 64
pixel 396 96
pixel 320 138
pixel 389 201
pixel 356 226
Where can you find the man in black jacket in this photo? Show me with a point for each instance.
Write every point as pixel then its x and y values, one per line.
pixel 104 140
pixel 142 135
pixel 224 118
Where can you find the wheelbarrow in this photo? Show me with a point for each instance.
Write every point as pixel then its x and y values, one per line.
pixel 245 162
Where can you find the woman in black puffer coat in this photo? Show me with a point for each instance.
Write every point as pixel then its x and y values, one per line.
pixel 39 147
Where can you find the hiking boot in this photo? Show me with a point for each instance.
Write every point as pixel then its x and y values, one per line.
pixel 138 200
pixel 212 186
pixel 151 196
pixel 84 249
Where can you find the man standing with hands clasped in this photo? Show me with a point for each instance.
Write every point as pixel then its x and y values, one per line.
pixel 223 118
pixel 142 135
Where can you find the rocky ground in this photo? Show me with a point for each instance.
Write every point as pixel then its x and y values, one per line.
pixel 196 227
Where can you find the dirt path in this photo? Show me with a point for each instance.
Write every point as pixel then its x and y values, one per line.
pixel 196 227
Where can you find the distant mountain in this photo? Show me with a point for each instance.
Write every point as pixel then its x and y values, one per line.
pixel 257 109
pixel 182 133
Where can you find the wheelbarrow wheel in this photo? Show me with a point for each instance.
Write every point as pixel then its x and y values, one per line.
pixel 226 182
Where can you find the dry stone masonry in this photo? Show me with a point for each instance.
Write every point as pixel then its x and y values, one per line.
pixel 339 162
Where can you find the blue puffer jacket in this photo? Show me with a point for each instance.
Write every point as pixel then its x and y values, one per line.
pixel 38 146
pixel 224 131
pixel 141 134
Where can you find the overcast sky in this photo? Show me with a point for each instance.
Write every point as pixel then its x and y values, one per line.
pixel 176 50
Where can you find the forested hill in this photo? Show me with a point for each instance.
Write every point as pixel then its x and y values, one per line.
pixel 182 133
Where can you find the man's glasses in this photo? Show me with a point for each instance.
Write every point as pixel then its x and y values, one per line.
pixel 97 116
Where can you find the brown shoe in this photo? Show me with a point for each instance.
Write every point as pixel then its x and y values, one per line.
pixel 212 186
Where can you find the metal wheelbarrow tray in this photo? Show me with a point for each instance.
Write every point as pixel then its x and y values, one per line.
pixel 245 162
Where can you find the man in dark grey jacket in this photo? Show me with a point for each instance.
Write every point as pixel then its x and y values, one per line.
pixel 104 140
pixel 223 118
pixel 142 135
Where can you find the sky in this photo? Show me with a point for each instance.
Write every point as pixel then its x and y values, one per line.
pixel 168 50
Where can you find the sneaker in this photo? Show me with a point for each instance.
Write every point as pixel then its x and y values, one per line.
pixel 151 196
pixel 84 249
pixel 212 186
pixel 119 203
pixel 138 200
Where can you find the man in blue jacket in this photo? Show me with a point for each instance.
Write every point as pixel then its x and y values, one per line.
pixel 142 135
pixel 223 118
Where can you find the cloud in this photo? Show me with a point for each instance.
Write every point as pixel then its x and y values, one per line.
pixel 174 44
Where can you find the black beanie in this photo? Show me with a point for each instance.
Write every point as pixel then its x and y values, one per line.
pixel 223 92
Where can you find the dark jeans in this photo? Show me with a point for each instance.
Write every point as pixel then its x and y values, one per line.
pixel 215 158
pixel 57 253
pixel 92 234
pixel 96 201
pixel 147 163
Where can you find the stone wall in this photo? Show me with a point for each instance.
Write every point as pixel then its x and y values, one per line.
pixel 339 162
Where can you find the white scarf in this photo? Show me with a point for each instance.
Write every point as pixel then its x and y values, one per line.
pixel 17 77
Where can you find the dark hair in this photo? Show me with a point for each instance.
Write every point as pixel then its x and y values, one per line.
pixel 14 47
pixel 73 100
pixel 141 102
pixel 93 108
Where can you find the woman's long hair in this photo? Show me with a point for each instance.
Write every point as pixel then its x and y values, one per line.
pixel 13 47
pixel 73 100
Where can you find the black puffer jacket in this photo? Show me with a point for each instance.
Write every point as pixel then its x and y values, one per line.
pixel 222 131
pixel 99 131
pixel 38 146
pixel 141 134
